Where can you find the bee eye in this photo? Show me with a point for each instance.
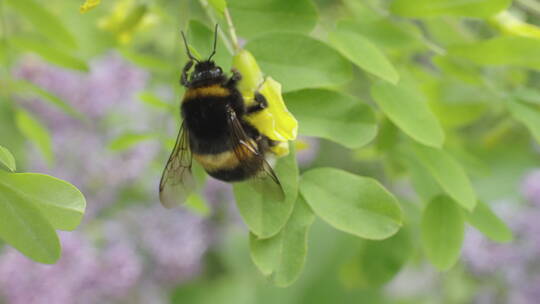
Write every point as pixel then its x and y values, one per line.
pixel 219 70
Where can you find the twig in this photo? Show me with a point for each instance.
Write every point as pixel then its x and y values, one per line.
pixel 232 30
pixel 221 33
pixel 531 5
pixel 4 41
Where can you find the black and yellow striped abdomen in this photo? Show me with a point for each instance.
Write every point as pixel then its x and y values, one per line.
pixel 205 113
pixel 230 166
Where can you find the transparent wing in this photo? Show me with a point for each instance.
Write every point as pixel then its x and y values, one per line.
pixel 266 181
pixel 177 181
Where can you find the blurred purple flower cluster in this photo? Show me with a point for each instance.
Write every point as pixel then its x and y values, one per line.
pixel 516 265
pixel 132 255
pixel 81 146
pixel 175 241
pixel 80 275
pixel 143 248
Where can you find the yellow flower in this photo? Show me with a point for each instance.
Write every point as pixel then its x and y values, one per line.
pixel 127 18
pixel 252 76
pixel 511 24
pixel 88 5
pixel 275 121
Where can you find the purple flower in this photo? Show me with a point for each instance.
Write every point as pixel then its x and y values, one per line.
pixel 531 187
pixel 516 265
pixel 81 148
pixel 79 274
pixel 485 257
pixel 174 241
pixel 527 292
pixel 111 82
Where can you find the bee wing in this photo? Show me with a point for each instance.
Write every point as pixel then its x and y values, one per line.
pixel 177 181
pixel 266 182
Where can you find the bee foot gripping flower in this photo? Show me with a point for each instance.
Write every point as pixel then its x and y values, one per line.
pixel 276 122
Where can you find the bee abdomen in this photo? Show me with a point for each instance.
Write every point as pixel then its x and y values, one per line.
pixel 218 161
pixel 227 167
pixel 235 174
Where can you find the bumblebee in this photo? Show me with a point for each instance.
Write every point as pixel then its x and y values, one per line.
pixel 216 133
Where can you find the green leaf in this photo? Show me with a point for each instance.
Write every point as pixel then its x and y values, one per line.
pixel 452 31
pixel 202 39
pixel 442 232
pixel 146 60
pixel 455 103
pixel 23 226
pixel 7 159
pixel 528 115
pixel 298 61
pixel 487 222
pixel 218 5
pixel 61 203
pixel 151 99
pixel 432 8
pixel 408 110
pixel 351 203
pixel 197 204
pixel 448 173
pixel 528 95
pixel 10 136
pixel 3 54
pixel 378 262
pixel 36 132
pixel 503 50
pixel 264 216
pixel 254 18
pixel 385 33
pixel 282 257
pixel 22 86
pixel 128 140
pixel 361 10
pixel 460 69
pixel 360 51
pixel 50 54
pixel 333 116
pixel 422 181
pixel 43 21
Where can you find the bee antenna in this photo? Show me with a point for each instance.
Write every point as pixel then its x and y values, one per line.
pixel 187 48
pixel 215 42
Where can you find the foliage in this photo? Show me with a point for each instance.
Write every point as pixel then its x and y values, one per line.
pixel 34 205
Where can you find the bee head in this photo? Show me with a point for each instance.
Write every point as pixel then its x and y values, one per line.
pixel 205 71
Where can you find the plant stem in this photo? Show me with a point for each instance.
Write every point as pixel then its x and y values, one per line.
pixel 532 5
pixel 232 30
pixel 221 33
pixel 4 71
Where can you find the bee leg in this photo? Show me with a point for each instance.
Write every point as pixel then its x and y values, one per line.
pixel 184 79
pixel 260 104
pixel 235 78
